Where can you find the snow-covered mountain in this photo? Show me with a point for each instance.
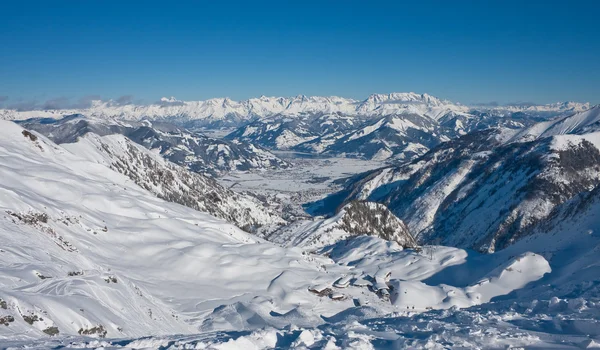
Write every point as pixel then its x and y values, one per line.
pixel 488 189
pixel 212 112
pixel 276 133
pixel 285 132
pixel 398 126
pixel 403 136
pixel 224 111
pixel 197 152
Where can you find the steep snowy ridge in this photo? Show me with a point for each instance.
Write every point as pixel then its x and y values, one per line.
pixel 175 184
pixel 479 191
pixel 578 123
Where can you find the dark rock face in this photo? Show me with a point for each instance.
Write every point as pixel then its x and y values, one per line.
pixel 375 219
pixel 512 192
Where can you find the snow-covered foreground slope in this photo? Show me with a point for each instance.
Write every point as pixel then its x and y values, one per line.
pixel 85 248
pixel 559 311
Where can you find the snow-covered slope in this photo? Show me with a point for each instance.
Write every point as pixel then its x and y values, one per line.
pixel 85 250
pixel 578 123
pixel 88 252
pixel 480 191
pixel 173 183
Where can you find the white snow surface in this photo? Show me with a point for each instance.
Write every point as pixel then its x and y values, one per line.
pixel 84 247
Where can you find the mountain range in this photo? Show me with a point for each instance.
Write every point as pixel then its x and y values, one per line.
pixel 479 230
pixel 395 126
pixel 231 112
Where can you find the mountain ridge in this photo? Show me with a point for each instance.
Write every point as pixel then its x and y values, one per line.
pixel 226 109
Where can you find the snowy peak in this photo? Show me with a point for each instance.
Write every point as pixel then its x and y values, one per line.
pixel 403 98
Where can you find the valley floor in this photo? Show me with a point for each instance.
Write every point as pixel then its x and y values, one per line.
pixel 309 179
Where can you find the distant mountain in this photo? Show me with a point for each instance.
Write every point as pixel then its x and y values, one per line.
pixel 195 151
pixel 403 136
pixel 398 126
pixel 218 112
pixel 285 132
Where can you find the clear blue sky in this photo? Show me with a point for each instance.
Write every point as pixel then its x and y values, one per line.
pixel 467 51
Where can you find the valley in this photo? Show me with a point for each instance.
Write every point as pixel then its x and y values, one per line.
pixel 399 221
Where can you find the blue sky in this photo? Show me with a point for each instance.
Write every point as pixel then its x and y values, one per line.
pixel 58 53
